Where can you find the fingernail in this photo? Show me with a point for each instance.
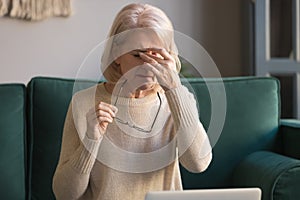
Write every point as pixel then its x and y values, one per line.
pixel 113 114
pixel 115 109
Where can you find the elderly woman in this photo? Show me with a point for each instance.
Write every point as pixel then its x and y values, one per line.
pixel 125 137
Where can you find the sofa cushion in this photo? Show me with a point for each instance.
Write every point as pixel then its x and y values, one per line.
pixel 290 132
pixel 48 100
pixel 251 124
pixel 12 141
pixel 278 176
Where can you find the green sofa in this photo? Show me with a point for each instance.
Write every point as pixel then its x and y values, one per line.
pixel 256 148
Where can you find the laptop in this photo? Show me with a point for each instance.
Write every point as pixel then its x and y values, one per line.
pixel 207 194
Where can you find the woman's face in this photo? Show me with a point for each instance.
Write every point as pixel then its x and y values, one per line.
pixel 131 65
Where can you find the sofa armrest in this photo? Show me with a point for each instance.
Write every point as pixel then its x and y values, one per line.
pixel 278 176
pixel 290 132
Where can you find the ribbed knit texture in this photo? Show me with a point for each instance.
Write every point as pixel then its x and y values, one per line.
pixel 85 155
pixel 183 106
pixel 127 163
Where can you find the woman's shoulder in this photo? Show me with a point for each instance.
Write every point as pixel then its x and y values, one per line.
pixel 88 94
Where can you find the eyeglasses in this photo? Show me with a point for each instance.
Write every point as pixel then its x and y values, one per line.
pixel 132 125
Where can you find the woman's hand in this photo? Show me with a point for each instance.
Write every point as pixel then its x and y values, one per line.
pixel 163 65
pixel 98 119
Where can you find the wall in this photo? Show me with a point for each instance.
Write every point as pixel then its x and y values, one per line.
pixel 58 46
pixel 224 32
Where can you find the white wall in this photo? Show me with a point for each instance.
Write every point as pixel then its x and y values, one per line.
pixel 57 46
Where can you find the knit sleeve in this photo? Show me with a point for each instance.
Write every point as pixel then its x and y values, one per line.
pixel 192 141
pixel 77 158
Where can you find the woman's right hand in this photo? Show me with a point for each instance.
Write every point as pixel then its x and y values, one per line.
pixel 98 119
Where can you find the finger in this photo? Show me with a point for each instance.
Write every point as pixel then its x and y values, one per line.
pixel 166 78
pixel 153 53
pixel 147 58
pixel 160 70
pixel 156 70
pixel 108 108
pixel 103 119
pixel 101 113
pixel 159 60
pixel 92 116
pixel 163 52
pixel 113 108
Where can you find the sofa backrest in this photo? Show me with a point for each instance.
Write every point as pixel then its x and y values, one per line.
pixel 251 123
pixel 48 101
pixel 12 142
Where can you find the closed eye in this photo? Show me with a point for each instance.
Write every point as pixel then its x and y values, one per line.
pixel 136 55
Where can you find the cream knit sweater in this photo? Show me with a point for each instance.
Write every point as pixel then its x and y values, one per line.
pixel 127 163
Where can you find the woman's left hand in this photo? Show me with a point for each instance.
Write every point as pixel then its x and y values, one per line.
pixel 163 65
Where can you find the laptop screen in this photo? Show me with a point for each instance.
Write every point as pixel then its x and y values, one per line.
pixel 207 194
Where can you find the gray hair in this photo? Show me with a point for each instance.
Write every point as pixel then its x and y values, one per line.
pixel 137 17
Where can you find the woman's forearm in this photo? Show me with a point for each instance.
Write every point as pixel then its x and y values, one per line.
pixel 71 178
pixel 193 144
